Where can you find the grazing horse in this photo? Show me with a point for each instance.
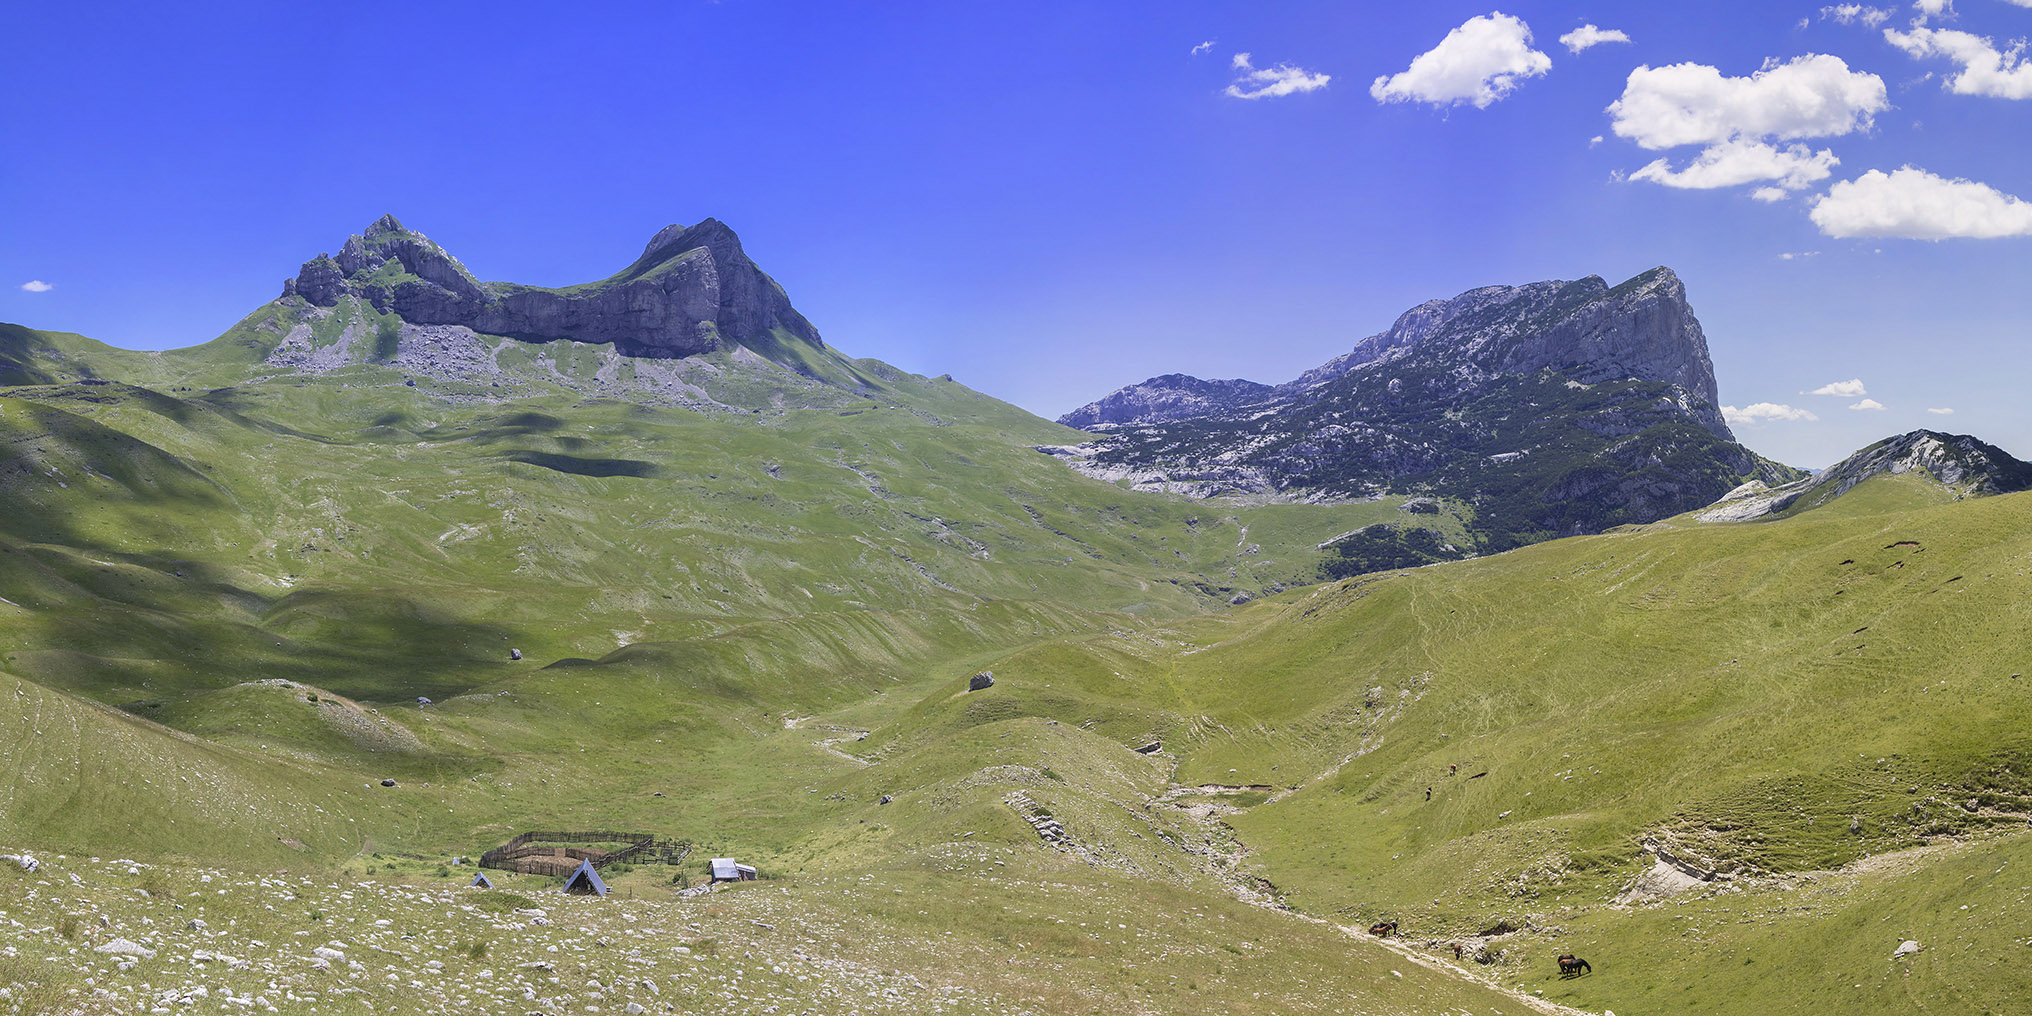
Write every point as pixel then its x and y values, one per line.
pixel 1459 951
pixel 1384 929
pixel 1573 966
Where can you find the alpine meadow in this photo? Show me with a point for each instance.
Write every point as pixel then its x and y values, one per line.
pixel 428 644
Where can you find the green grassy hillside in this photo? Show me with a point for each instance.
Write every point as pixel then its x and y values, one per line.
pixel 221 599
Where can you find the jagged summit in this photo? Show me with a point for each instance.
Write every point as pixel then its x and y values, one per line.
pixel 1966 466
pixel 692 290
pixel 1552 409
pixel 1642 329
pixel 1166 397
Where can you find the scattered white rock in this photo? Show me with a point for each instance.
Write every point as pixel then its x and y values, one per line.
pixel 124 947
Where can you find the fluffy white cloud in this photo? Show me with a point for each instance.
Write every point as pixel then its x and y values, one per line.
pixel 1849 14
pixel 1852 388
pixel 1693 104
pixel 1917 205
pixel 1942 412
pixel 1760 412
pixel 1271 82
pixel 36 286
pixel 1868 405
pixel 1769 194
pixel 1737 162
pixel 1985 69
pixel 1478 63
pixel 1203 47
pixel 1588 35
pixel 1936 8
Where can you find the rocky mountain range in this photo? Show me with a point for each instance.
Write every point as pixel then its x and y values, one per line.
pixel 1967 467
pixel 1548 409
pixel 692 289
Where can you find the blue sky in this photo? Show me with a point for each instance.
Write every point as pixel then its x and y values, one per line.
pixel 1052 200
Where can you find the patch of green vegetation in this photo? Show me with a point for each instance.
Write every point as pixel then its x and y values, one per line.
pixel 1385 547
pixel 222 605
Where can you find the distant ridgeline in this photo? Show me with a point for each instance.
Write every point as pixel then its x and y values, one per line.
pixel 1545 410
pixel 692 287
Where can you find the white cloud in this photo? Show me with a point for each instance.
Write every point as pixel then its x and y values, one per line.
pixel 1937 8
pixel 1203 47
pixel 1737 162
pixel 1810 96
pixel 1479 63
pixel 1790 256
pixel 1942 412
pixel 36 286
pixel 1770 194
pixel 1588 35
pixel 1917 205
pixel 1760 412
pixel 1868 405
pixel 1271 82
pixel 1985 70
pixel 1849 14
pixel 1852 388
pixel 1593 141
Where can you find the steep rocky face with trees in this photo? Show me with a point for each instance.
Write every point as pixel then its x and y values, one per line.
pixel 1548 409
pixel 692 289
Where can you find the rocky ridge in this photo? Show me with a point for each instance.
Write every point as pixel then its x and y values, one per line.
pixel 692 290
pixel 1552 409
pixel 1965 465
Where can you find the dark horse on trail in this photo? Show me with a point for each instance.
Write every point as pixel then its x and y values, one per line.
pixel 1573 966
pixel 1385 929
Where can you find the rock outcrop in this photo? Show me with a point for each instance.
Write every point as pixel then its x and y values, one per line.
pixel 1169 397
pixel 1643 329
pixel 1964 465
pixel 692 290
pixel 1551 409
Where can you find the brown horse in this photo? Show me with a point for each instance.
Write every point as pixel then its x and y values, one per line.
pixel 1385 929
pixel 1573 966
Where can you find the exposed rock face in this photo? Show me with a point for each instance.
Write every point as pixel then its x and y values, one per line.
pixel 692 288
pixel 1169 397
pixel 1643 329
pixel 1969 467
pixel 1553 409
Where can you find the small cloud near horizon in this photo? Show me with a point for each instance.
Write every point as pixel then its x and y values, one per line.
pixel 1868 405
pixel 1272 82
pixel 1944 411
pixel 1851 389
pixel 36 286
pixel 1760 412
pixel 1588 35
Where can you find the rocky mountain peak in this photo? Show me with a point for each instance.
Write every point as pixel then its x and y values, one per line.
pixel 1165 397
pixel 1552 408
pixel 692 290
pixel 385 224
pixel 1963 464
pixel 1641 329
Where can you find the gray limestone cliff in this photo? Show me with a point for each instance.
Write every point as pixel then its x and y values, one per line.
pixel 692 290
pixel 1548 409
pixel 1589 331
pixel 1168 397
